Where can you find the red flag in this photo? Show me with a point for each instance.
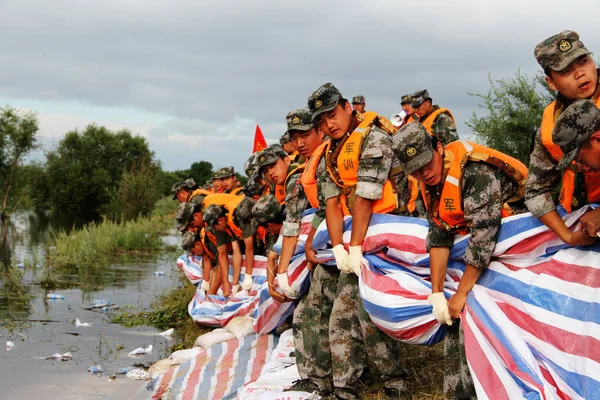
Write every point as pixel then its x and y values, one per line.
pixel 259 140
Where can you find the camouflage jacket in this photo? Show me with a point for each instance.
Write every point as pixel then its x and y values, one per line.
pixel 375 162
pixel 484 191
pixel 444 128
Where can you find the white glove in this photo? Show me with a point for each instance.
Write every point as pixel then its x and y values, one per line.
pixel 341 258
pixel 284 284
pixel 440 308
pixel 235 289
pixel 247 284
pixel 354 259
pixel 205 286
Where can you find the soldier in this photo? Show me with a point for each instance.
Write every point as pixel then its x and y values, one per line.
pixel 439 122
pixel 466 188
pixel 267 213
pixel 215 219
pixel 571 71
pixel 358 158
pixel 217 186
pixel 228 181
pixel 406 104
pixel 182 190
pixel 359 104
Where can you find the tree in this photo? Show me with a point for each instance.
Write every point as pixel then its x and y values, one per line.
pixel 18 136
pixel 514 113
pixel 201 172
pixel 84 172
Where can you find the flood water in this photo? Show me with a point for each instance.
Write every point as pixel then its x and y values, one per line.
pixel 40 327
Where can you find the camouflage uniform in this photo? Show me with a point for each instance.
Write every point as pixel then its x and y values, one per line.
pixel 485 189
pixel 188 184
pixel 266 209
pixel 543 182
pixel 444 127
pixel 183 215
pixel 353 349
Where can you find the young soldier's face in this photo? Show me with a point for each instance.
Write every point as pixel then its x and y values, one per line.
pixel 407 107
pixel 358 107
pixel 217 184
pixel 431 174
pixel 198 250
pixel 197 220
pixel 589 154
pixel 306 142
pixel 228 183
pixel 337 121
pixel 289 147
pixel 183 195
pixel 577 81
pixel 424 108
pixel 277 172
pixel 221 224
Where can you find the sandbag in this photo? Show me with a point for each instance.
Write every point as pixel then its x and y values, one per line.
pixel 241 326
pixel 209 339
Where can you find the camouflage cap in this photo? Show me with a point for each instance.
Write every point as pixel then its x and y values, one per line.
pixel 270 154
pixel 284 139
pixel 253 187
pixel 358 99
pixel 215 175
pixel 575 125
pixel 190 183
pixel 243 211
pixel 250 165
pixel 419 97
pixel 187 241
pixel 266 209
pixel 323 99
pixel 226 172
pixel 176 187
pixel 212 214
pixel 414 150
pixel 407 98
pixel 560 50
pixel 183 214
pixel 299 120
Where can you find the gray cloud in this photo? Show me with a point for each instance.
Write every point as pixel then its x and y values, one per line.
pixel 214 68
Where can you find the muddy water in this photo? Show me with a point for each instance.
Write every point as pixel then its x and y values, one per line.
pixel 40 327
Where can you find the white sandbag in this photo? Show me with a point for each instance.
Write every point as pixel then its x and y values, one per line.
pixel 138 374
pixel 181 356
pixel 289 396
pixel 283 352
pixel 216 336
pixel 159 367
pixel 271 383
pixel 241 326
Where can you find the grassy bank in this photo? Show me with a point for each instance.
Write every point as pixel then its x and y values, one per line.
pixel 98 244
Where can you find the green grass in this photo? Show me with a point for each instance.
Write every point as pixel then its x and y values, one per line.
pixel 97 244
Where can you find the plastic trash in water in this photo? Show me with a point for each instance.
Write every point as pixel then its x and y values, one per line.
pixel 168 334
pixel 158 273
pixel 57 356
pixel 140 351
pixel 100 302
pixel 9 345
pixel 138 374
pixel 55 296
pixel 123 371
pixel 84 324
pixel 96 369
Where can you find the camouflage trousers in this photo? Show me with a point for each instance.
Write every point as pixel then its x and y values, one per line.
pixel 356 343
pixel 311 327
pixel 458 383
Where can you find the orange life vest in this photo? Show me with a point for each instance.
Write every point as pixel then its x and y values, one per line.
pixel 347 166
pixel 204 235
pixel 431 118
pixel 309 175
pixel 447 210
pixel 231 206
pixel 591 178
pixel 413 189
pixel 219 199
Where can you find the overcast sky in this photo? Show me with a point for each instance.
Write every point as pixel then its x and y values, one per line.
pixel 194 77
